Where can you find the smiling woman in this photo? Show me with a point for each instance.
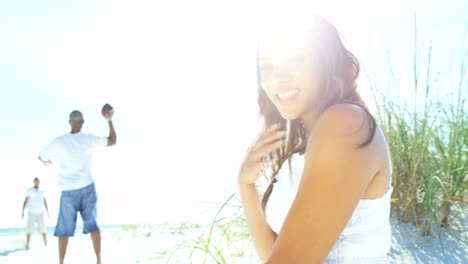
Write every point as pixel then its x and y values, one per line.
pixel 335 206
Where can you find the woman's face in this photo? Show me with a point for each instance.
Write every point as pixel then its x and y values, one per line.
pixel 289 75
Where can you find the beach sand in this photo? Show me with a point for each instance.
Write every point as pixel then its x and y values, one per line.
pixel 128 244
pixel 118 246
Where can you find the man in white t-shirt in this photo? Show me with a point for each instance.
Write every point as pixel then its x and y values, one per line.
pixel 35 202
pixel 73 153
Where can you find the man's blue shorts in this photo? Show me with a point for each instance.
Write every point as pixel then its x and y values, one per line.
pixel 82 200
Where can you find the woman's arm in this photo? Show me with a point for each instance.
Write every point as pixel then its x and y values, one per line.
pixel 269 140
pixel 335 177
pixel 261 232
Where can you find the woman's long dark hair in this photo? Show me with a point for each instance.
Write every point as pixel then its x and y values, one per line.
pixel 339 72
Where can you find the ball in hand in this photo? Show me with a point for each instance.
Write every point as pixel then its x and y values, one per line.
pixel 107 111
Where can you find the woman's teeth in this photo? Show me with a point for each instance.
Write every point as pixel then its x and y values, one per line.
pixel 287 95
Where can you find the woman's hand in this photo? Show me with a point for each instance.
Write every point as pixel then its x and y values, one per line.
pixel 269 140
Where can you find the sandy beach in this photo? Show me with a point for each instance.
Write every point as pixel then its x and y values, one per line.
pixel 128 244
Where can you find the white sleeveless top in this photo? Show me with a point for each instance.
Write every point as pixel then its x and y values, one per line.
pixel 367 235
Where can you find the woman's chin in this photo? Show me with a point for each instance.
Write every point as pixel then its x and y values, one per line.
pixel 289 115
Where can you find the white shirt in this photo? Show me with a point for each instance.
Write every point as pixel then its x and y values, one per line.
pixel 35 203
pixel 367 235
pixel 73 152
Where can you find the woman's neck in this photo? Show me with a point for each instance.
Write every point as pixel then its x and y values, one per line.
pixel 308 120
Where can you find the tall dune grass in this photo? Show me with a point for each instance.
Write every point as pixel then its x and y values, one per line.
pixel 429 144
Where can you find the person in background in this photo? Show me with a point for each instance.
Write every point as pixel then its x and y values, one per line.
pixel 73 153
pixel 35 202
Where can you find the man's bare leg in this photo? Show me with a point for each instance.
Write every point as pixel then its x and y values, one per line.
pixel 44 236
pixel 96 237
pixel 28 238
pixel 63 242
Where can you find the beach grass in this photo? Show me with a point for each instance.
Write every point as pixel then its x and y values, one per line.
pixel 428 140
pixel 224 240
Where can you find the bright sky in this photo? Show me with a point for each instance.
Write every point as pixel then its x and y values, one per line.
pixel 181 77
